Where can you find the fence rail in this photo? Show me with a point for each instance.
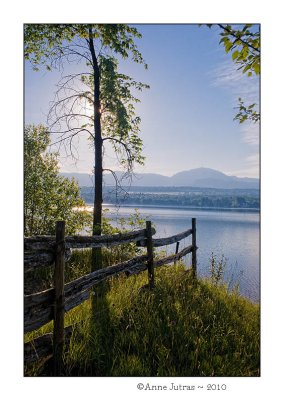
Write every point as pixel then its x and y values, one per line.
pixel 76 242
pixel 39 250
pixel 51 304
pixel 168 240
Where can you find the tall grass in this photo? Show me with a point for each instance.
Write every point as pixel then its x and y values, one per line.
pixel 183 327
pixel 81 260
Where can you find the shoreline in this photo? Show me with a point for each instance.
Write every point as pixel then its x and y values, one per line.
pixel 89 207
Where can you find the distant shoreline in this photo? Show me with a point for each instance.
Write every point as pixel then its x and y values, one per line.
pixel 255 210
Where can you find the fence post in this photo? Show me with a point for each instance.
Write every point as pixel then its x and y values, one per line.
pixel 150 262
pixel 58 330
pixel 194 248
pixel 177 247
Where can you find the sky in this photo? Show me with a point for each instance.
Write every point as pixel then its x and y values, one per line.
pixel 186 115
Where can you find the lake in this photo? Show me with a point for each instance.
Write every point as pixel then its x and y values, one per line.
pixel 232 233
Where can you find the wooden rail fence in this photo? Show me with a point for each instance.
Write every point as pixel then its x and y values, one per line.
pixel 51 304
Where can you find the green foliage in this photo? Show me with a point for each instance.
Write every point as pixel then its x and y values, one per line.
pixel 247 112
pixel 125 251
pixel 182 328
pixel 243 42
pixel 182 199
pixel 39 279
pixel 52 44
pixel 131 223
pixel 120 125
pixel 244 45
pixel 44 43
pixel 217 269
pixel 48 197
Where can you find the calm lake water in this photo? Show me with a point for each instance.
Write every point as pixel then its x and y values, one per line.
pixel 234 234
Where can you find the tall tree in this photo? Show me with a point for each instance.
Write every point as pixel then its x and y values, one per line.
pixel 48 196
pixel 98 101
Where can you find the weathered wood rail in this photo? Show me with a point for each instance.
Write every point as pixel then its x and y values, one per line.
pixel 51 304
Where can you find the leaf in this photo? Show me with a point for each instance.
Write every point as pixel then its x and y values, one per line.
pixel 256 68
pixel 235 54
pixel 246 68
pixel 245 52
pixel 228 46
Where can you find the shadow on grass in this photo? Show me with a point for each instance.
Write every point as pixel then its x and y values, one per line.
pixel 183 327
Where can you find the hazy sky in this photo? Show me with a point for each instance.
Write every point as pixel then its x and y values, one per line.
pixel 187 114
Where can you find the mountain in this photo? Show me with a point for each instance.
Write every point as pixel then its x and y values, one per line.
pixel 207 177
pixel 199 177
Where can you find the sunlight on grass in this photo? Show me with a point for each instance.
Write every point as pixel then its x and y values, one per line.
pixel 181 328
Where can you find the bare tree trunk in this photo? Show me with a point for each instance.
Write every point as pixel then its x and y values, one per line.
pixel 98 168
pixel 97 216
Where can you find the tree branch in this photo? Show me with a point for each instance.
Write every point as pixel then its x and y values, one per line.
pixel 232 33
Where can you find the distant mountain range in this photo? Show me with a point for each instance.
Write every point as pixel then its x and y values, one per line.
pixel 199 177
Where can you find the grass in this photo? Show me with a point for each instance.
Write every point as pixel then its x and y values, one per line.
pixel 181 328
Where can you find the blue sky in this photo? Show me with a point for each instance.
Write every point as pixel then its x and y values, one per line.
pixel 187 114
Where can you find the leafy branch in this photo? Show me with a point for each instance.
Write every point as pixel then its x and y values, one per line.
pixel 243 42
pixel 247 113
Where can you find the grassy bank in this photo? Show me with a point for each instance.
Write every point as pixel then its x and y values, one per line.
pixel 181 328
